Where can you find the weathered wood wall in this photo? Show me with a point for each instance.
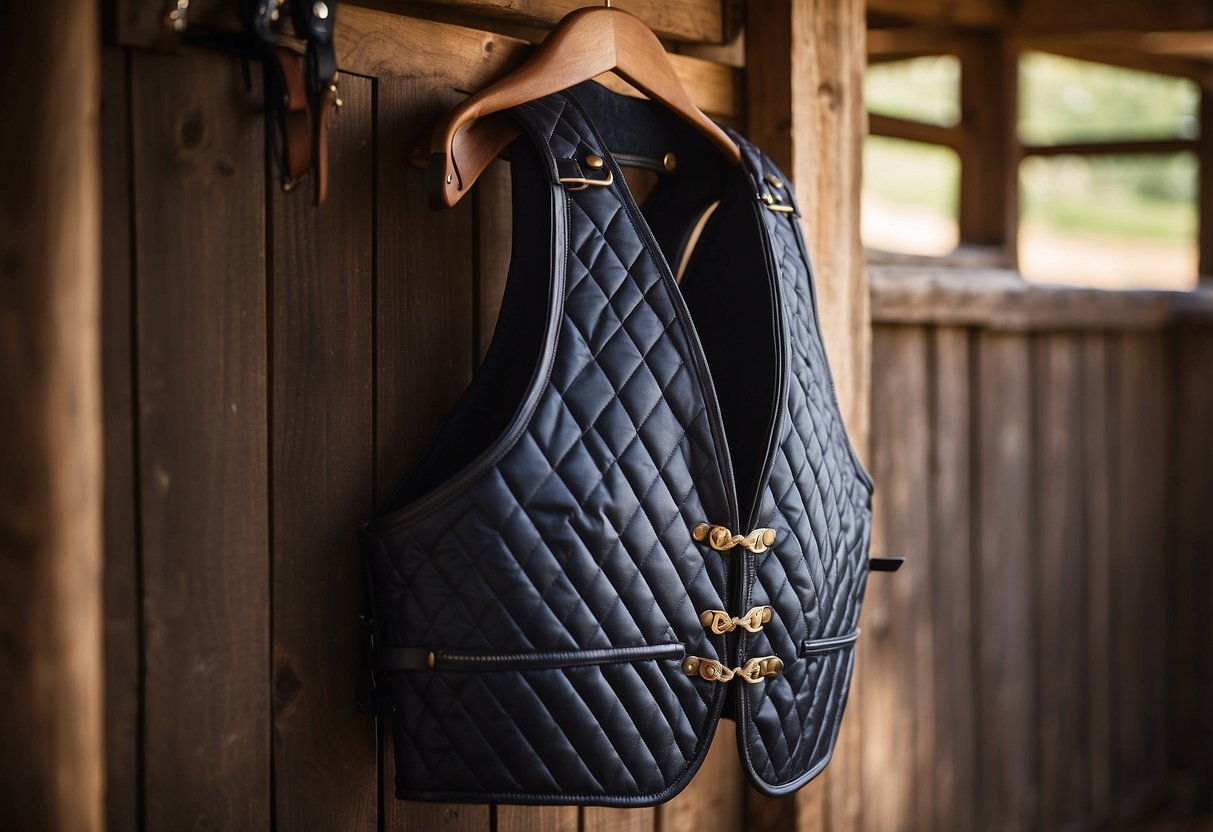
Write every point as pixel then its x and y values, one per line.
pixel 272 369
pixel 1043 462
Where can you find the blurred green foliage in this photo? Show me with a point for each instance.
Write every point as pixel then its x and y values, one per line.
pixel 912 174
pixel 922 89
pixel 1061 100
pixel 1066 100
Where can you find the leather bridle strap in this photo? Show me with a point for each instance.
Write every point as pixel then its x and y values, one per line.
pixel 314 23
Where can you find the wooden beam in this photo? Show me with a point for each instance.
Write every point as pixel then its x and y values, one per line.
pixel 989 188
pixel 1085 15
pixel 900 42
pixel 1114 148
pixel 1001 299
pixel 805 62
pixel 984 13
pixel 51 739
pixel 141 22
pixel 1113 49
pixel 915 131
pixel 1204 154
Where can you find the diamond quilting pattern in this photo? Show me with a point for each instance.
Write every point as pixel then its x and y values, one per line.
pixel 576 535
pixel 815 576
pixel 578 538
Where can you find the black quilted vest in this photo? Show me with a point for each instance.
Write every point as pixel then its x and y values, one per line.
pixel 644 514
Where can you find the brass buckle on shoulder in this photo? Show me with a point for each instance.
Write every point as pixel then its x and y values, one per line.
pixel 578 183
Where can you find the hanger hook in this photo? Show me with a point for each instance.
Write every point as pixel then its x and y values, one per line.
pixel 608 3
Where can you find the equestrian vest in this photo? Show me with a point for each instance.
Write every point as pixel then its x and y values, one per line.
pixel 644 514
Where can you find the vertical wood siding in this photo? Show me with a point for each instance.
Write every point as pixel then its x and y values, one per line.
pixel 1043 486
pixel 271 371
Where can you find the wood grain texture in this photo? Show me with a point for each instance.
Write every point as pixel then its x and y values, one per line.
pixel 323 481
pixel 897 717
pixel 141 22
pixel 1143 546
pixel 122 625
pixel 1191 672
pixel 1204 209
pixel 953 525
pixel 1005 658
pixel 199 186
pixel 997 299
pixel 423 341
pixel 805 61
pixel 1061 580
pixel 537 819
pixel 601 819
pixel 1078 15
pixel 1099 455
pixel 51 738
pixel 986 13
pixel 714 798
pixel 986 210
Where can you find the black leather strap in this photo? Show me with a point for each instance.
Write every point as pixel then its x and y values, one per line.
pixel 885 564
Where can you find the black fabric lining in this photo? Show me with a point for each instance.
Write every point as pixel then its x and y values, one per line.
pixel 485 409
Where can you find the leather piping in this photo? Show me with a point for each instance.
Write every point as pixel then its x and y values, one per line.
pixel 478 467
pixel 815 647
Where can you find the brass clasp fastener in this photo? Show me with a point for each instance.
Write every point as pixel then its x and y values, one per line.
pixel 721 539
pixel 720 622
pixel 752 672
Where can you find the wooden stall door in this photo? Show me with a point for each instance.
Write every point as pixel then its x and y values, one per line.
pixel 273 369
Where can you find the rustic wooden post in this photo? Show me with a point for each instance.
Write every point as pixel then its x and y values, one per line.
pixel 50 463
pixel 988 211
pixel 804 64
pixel 1204 153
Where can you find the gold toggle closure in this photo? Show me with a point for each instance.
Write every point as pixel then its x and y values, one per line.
pixel 753 672
pixel 721 622
pixel 721 539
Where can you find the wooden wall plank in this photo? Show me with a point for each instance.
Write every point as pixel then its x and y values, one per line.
pixel 601 819
pixel 1098 450
pixel 323 480
pixel 1006 662
pixel 424 340
pixel 462 59
pixel 1139 641
pixel 1061 581
pixel 714 798
pixel 537 819
pixel 199 189
pixel 952 531
pixel 51 738
pixel 141 22
pixel 1191 675
pixel 897 700
pixel 122 625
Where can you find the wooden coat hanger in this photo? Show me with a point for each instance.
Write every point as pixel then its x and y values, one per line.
pixel 584 44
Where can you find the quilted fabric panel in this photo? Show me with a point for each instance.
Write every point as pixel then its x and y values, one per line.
pixel 818 499
pixel 578 537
